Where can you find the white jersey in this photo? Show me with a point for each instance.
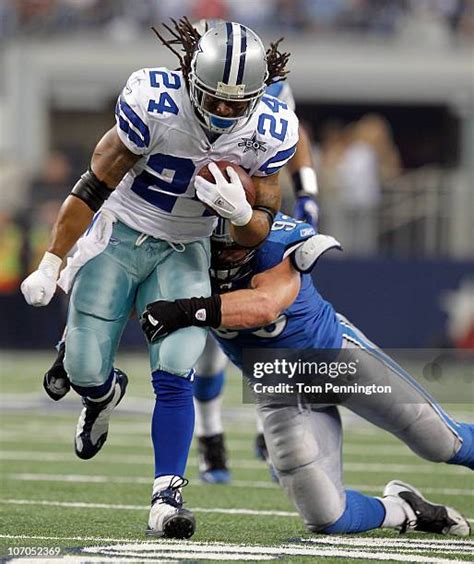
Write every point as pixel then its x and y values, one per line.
pixel 155 119
pixel 283 92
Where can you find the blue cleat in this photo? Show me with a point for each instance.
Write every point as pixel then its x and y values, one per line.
pixel 213 460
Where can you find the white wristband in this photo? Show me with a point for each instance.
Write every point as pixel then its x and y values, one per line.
pixel 244 216
pixel 309 181
pixel 50 264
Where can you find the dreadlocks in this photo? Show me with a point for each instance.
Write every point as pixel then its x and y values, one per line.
pixel 276 62
pixel 184 34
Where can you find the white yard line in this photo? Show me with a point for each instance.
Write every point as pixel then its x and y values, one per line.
pixel 104 479
pixel 399 542
pixel 86 505
pixel 407 541
pixel 244 446
pixel 362 467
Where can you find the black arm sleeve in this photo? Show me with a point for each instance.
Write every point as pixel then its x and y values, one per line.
pixel 91 190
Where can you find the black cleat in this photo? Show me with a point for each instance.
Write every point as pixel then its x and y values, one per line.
pixel 93 424
pixel 213 460
pixel 56 382
pixel 167 517
pixel 261 451
pixel 422 515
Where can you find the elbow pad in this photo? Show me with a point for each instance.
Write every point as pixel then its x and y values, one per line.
pixel 91 190
pixel 306 255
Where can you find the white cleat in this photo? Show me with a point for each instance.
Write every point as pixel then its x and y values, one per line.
pixel 167 516
pixel 93 424
pixel 422 515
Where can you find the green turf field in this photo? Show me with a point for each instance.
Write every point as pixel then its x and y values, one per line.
pixel 97 510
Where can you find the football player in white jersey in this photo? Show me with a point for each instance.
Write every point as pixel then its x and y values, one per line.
pixel 149 237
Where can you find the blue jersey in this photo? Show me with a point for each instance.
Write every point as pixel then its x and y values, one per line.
pixel 310 321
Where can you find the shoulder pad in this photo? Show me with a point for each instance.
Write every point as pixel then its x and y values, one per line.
pixel 306 255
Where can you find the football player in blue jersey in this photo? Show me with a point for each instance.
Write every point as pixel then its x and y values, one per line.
pixel 149 237
pixel 266 297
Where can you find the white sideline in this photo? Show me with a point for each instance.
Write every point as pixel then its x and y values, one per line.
pixel 362 467
pixel 103 479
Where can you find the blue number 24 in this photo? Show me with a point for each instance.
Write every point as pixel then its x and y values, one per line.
pixel 165 101
pixel 177 173
pixel 277 129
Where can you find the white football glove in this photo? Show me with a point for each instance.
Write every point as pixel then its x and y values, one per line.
pixel 40 285
pixel 226 198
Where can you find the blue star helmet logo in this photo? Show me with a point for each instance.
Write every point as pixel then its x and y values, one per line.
pixel 252 144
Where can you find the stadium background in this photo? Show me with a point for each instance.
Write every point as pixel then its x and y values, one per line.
pixel 392 77
pixel 404 66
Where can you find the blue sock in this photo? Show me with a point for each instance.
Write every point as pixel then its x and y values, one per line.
pixel 173 422
pixel 362 513
pixel 207 388
pixel 465 455
pixel 95 392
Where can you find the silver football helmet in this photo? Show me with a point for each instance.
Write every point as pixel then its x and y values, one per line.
pixel 229 64
pixel 205 24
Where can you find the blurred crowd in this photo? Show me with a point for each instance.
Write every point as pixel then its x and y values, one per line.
pixel 26 222
pixel 439 19
pixel 355 163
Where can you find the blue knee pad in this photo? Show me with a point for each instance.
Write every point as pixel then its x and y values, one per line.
pixel 465 455
pixel 207 388
pixel 172 423
pixel 362 513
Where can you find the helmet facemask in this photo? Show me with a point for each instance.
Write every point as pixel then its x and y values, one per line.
pixel 199 94
pixel 228 65
pixel 230 263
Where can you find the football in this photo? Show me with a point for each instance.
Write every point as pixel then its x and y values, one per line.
pixel 246 180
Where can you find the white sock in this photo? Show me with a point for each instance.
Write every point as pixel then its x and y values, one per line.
pixel 162 482
pixel 208 417
pixel 395 511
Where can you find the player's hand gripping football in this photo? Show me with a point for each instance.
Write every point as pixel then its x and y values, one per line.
pixel 226 197
pixel 39 287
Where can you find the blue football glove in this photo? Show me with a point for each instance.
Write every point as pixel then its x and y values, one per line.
pixel 306 209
